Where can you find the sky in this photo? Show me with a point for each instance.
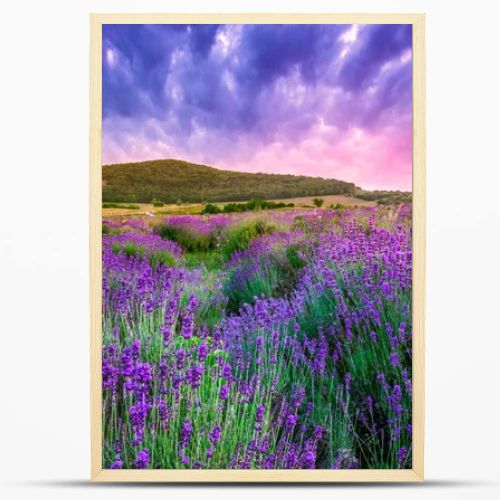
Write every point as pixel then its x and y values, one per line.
pixel 333 101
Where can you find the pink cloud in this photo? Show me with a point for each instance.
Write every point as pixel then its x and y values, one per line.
pixel 378 159
pixel 370 159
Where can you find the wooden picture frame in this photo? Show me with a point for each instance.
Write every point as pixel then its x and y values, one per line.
pixel 365 475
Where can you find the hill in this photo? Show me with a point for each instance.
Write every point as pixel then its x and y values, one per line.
pixel 172 181
pixel 385 197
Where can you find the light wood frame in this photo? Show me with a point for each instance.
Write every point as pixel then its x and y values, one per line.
pixel 236 476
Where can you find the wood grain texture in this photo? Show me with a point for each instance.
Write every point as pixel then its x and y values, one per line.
pixel 419 249
pixel 418 291
pixel 95 252
pixel 254 18
pixel 249 476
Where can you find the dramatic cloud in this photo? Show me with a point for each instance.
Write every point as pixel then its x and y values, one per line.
pixel 324 100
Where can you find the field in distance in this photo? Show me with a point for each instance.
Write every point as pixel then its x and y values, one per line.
pixel 122 209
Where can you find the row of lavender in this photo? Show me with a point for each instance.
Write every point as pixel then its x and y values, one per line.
pixel 295 352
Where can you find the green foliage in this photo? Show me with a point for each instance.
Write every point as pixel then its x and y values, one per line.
pixel 117 230
pixel 239 236
pixel 118 205
pixel 175 181
pixel 337 206
pixel 299 223
pixel 293 254
pixel 210 261
pixel 265 205
pixel 180 210
pixel 251 205
pixel 157 203
pixel 161 258
pixel 131 250
pixel 318 202
pixel 276 275
pixel 209 208
pixel 235 208
pixel 386 197
pixel 156 258
pixel 188 239
pixel 238 294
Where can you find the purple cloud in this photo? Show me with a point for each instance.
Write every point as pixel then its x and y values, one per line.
pixel 309 99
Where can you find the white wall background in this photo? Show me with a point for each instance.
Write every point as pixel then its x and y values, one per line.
pixel 44 340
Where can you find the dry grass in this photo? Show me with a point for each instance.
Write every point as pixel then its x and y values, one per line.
pixel 193 208
pixel 148 208
pixel 330 199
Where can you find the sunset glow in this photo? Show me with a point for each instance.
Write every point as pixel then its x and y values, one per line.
pixel 321 100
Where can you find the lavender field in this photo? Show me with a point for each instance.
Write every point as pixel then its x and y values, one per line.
pixel 266 340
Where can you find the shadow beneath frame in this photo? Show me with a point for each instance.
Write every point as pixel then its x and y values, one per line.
pixel 429 484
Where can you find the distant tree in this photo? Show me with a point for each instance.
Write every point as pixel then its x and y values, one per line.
pixel 318 202
pixel 210 208
pixel 178 201
pixel 256 204
pixel 156 203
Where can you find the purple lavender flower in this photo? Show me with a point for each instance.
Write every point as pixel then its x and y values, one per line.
pixel 291 422
pixel 259 413
pixel 137 416
pixel 369 403
pixel 142 459
pixel 187 329
pixel 194 376
pixel 357 265
pixel 227 370
pixel 202 351
pixel 269 461
pixel 259 343
pixel 162 410
pixel 401 456
pixel 318 432
pixel 291 458
pixel 180 355
pixel 395 400
pixel 214 435
pixel 348 380
pixel 394 359
pixel 386 288
pixel 185 437
pixel 309 459
pixel 264 446
pixel 298 396
pixel 224 392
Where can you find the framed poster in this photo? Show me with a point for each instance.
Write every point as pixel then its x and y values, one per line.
pixel 257 246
